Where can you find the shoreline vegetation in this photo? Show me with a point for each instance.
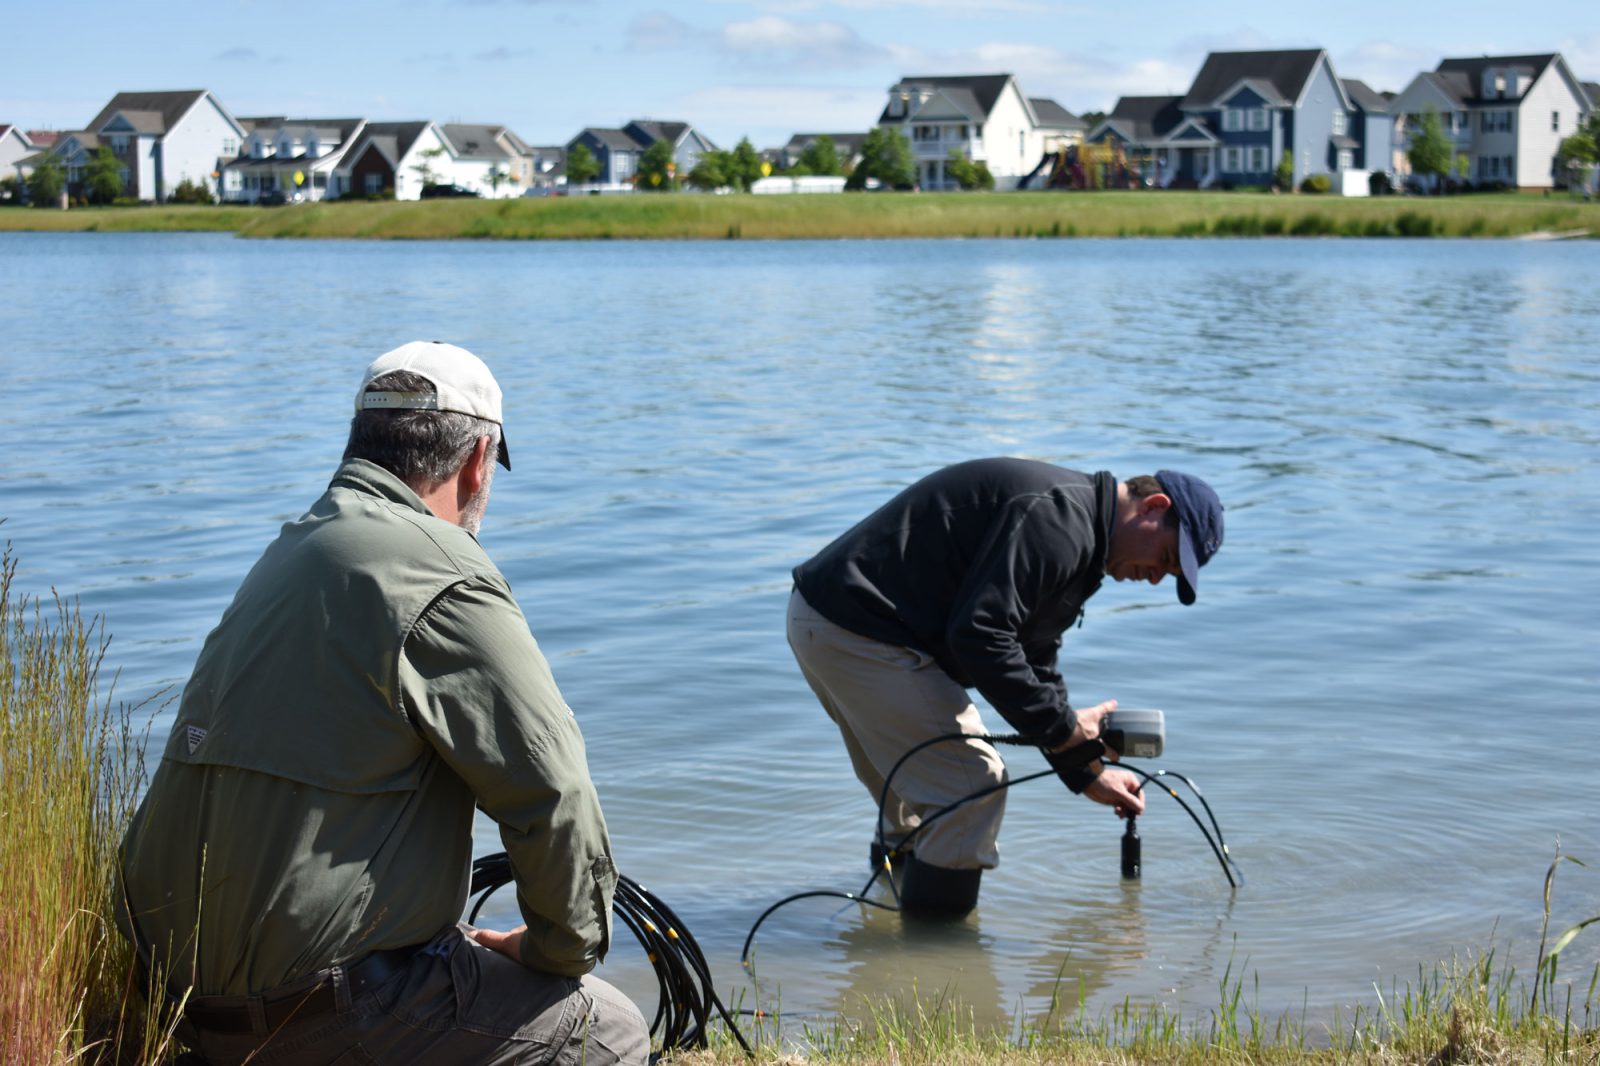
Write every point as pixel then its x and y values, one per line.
pixel 681 216
pixel 71 767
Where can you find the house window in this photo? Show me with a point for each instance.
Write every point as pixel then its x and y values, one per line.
pixel 1230 160
pixel 371 184
pixel 119 143
pixel 1338 123
pixel 924 133
pixel 1259 119
pixel 1346 159
pixel 230 147
pixel 1232 120
pixel 1258 159
pixel 621 166
pixel 1555 122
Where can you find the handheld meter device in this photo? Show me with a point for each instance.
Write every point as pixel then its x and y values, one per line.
pixel 1140 734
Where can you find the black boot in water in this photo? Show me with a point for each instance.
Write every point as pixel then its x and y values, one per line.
pixel 937 892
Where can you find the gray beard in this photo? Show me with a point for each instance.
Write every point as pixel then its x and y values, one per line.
pixel 472 514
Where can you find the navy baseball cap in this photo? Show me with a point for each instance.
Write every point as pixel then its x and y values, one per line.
pixel 1199 526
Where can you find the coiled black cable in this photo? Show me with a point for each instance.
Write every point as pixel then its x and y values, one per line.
pixel 683 978
pixel 1219 847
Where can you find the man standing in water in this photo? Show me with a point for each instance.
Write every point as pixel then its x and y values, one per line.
pixel 301 859
pixel 968 579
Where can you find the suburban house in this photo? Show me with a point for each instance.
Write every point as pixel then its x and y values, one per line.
pixel 15 146
pixel 293 157
pixel 618 150
pixel 846 145
pixel 983 117
pixel 395 158
pixel 490 160
pixel 549 167
pixel 1507 115
pixel 1144 126
pixel 1374 125
pixel 72 150
pixel 161 139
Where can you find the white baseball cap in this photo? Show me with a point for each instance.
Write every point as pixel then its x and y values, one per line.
pixel 461 382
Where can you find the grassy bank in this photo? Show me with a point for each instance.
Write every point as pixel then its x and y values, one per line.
pixel 699 217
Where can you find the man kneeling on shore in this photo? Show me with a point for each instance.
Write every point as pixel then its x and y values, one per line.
pixel 301 859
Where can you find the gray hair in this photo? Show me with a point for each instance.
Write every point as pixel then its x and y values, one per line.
pixel 421 448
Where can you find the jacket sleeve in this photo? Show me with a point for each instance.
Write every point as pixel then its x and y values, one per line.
pixel 496 718
pixel 1025 559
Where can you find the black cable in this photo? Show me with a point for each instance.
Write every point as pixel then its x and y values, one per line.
pixel 1218 846
pixel 683 978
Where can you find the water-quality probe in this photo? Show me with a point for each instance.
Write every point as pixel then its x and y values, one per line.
pixel 687 994
pixel 1138 733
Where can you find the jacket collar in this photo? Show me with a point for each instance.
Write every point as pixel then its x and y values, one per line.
pixel 366 476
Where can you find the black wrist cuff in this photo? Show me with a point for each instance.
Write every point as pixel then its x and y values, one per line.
pixel 1073 765
pixel 1060 730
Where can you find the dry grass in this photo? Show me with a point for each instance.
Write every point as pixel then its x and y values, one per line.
pixel 861 215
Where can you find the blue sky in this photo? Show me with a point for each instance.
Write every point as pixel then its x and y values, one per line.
pixel 734 68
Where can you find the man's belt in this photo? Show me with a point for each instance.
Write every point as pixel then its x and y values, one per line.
pixel 371 971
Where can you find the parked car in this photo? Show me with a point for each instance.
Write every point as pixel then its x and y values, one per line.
pixel 272 198
pixel 431 192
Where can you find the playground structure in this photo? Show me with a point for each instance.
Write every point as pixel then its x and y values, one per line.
pixel 1086 166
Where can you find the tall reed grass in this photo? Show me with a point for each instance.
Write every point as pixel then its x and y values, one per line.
pixel 70 768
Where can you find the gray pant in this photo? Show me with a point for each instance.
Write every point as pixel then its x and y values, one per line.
pixel 457 1002
pixel 886 699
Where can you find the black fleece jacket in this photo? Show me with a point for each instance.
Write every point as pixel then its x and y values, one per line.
pixel 982 565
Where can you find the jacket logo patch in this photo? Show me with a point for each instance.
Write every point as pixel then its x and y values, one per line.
pixel 194 735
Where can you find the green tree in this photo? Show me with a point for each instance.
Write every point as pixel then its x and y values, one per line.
pixel 711 171
pixel 497 177
pixel 968 174
pixel 657 168
pixel 10 189
pixel 1461 167
pixel 582 166
pixel 102 176
pixel 744 165
pixel 46 182
pixel 424 168
pixel 886 156
pixel 1431 150
pixel 191 192
pixel 819 157
pixel 1283 176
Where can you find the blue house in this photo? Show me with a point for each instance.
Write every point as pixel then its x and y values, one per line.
pixel 618 150
pixel 1243 111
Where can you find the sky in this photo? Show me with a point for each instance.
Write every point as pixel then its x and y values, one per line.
pixel 764 69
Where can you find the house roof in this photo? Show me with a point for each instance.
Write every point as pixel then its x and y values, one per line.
pixel 1051 114
pixel 975 93
pixel 611 138
pixel 1593 89
pixel 846 143
pixel 1466 74
pixel 43 138
pixel 659 131
pixel 392 139
pixel 474 141
pixel 1284 73
pixel 1362 95
pixel 160 110
pixel 6 128
pixel 1143 119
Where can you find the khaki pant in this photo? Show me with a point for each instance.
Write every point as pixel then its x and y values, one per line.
pixel 457 1002
pixel 885 700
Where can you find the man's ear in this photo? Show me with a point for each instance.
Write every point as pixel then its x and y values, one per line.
pixel 472 473
pixel 1156 502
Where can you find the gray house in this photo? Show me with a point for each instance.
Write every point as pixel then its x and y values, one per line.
pixel 618 150
pixel 1243 111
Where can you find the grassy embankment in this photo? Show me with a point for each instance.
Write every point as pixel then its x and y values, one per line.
pixel 683 216
pixel 69 773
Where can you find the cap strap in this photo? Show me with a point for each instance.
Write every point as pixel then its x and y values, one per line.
pixel 414 401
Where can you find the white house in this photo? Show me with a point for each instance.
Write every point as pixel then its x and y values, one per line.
pixel 296 158
pixel 1506 114
pixel 163 139
pixel 983 117
pixel 14 146
pixel 395 159
pixel 490 160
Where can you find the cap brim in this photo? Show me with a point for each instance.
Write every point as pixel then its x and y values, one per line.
pixel 1189 565
pixel 505 453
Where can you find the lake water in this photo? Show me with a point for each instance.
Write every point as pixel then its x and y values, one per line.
pixel 1388 690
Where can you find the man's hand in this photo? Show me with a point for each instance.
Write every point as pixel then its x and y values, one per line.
pixel 1119 789
pixel 508 944
pixel 1088 728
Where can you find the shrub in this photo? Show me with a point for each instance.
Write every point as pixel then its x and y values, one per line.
pixel 1378 184
pixel 1412 224
pixel 191 192
pixel 1317 183
pixel 1313 225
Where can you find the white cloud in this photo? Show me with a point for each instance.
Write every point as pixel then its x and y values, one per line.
pixel 726 112
pixel 775 41
pixel 661 31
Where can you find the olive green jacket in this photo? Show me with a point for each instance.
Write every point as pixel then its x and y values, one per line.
pixel 372 680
